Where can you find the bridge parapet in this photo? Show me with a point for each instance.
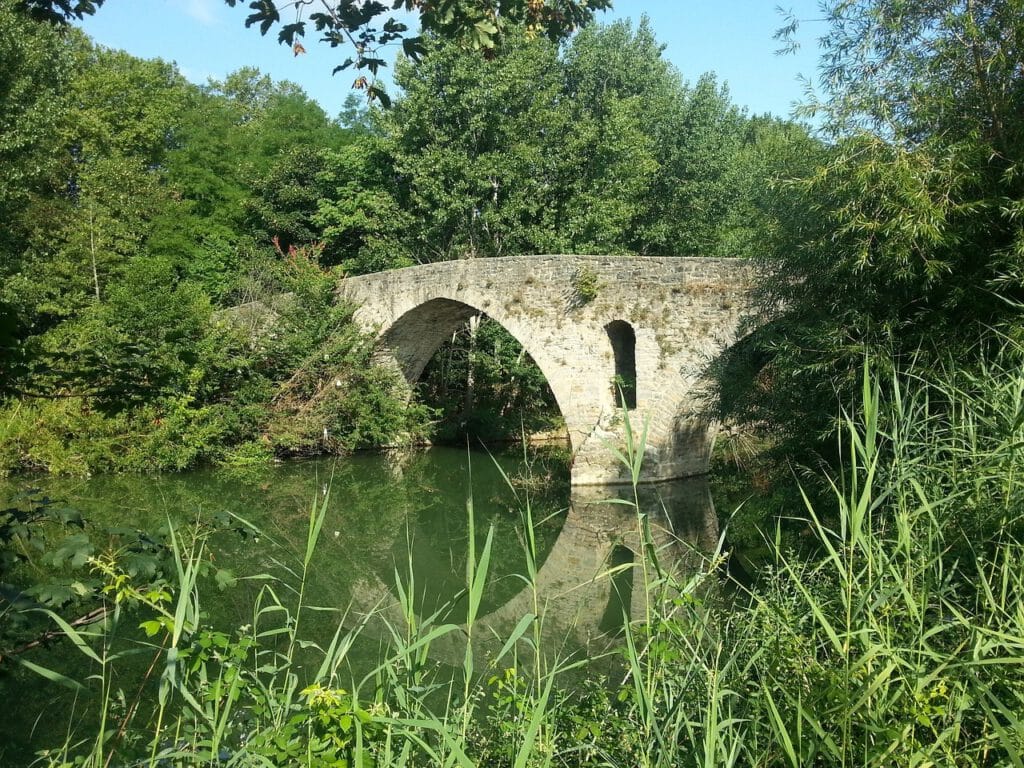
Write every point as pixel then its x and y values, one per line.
pixel 587 321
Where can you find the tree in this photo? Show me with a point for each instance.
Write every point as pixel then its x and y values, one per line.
pixel 474 144
pixel 91 211
pixel 657 155
pixel 600 148
pixel 285 198
pixel 244 152
pixel 34 66
pixel 362 26
pixel 60 10
pixel 362 224
pixel 771 149
pixel 118 115
pixel 608 160
pixel 205 167
pixel 142 342
pixel 132 204
pixel 905 243
pixel 274 117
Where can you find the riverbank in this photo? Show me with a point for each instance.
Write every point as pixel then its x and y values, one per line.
pixel 889 646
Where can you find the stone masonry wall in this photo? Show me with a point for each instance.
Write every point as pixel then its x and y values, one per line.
pixel 684 312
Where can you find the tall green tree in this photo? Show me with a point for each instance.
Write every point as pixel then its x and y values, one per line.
pixel 608 158
pixel 102 191
pixel 243 162
pixel 116 129
pixel 473 146
pixel 907 240
pixel 363 225
pixel 273 116
pixel 131 233
pixel 663 152
pixel 598 148
pixel 35 63
pixel 772 150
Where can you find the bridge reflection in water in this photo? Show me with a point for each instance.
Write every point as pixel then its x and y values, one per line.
pixel 592 578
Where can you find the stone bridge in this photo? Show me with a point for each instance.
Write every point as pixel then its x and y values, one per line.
pixel 616 337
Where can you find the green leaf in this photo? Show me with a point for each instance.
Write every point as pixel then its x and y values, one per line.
pixel 73 550
pixel 151 627
pixel 224 578
pixel 51 675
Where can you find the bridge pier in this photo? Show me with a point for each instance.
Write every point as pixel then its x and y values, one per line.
pixel 633 347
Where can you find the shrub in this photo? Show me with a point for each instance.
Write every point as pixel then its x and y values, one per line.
pixel 585 286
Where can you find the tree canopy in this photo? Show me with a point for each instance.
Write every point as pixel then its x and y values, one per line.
pixel 904 240
pixel 363 27
pixel 136 210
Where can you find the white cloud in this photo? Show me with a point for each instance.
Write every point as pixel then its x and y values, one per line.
pixel 203 11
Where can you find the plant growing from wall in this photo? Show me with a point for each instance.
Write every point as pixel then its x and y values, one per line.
pixel 585 287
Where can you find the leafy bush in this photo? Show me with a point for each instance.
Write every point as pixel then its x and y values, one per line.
pixel 585 286
pixel 172 386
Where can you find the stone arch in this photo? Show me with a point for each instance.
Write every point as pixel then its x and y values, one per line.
pixel 413 338
pixel 622 337
pixel 683 313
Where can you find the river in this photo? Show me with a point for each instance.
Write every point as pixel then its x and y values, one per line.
pixel 389 518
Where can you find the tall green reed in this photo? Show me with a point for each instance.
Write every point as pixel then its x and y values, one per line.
pixel 898 641
pixel 902 637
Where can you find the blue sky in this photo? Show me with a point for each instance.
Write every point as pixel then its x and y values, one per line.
pixel 732 38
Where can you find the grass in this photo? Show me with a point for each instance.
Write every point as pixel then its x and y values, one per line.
pixel 899 642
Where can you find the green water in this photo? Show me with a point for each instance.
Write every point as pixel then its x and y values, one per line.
pixel 388 517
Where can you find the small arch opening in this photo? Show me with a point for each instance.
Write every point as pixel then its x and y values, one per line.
pixel 623 341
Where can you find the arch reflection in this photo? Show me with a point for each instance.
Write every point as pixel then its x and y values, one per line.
pixel 592 579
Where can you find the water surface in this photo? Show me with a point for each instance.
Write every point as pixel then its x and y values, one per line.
pixel 397 518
